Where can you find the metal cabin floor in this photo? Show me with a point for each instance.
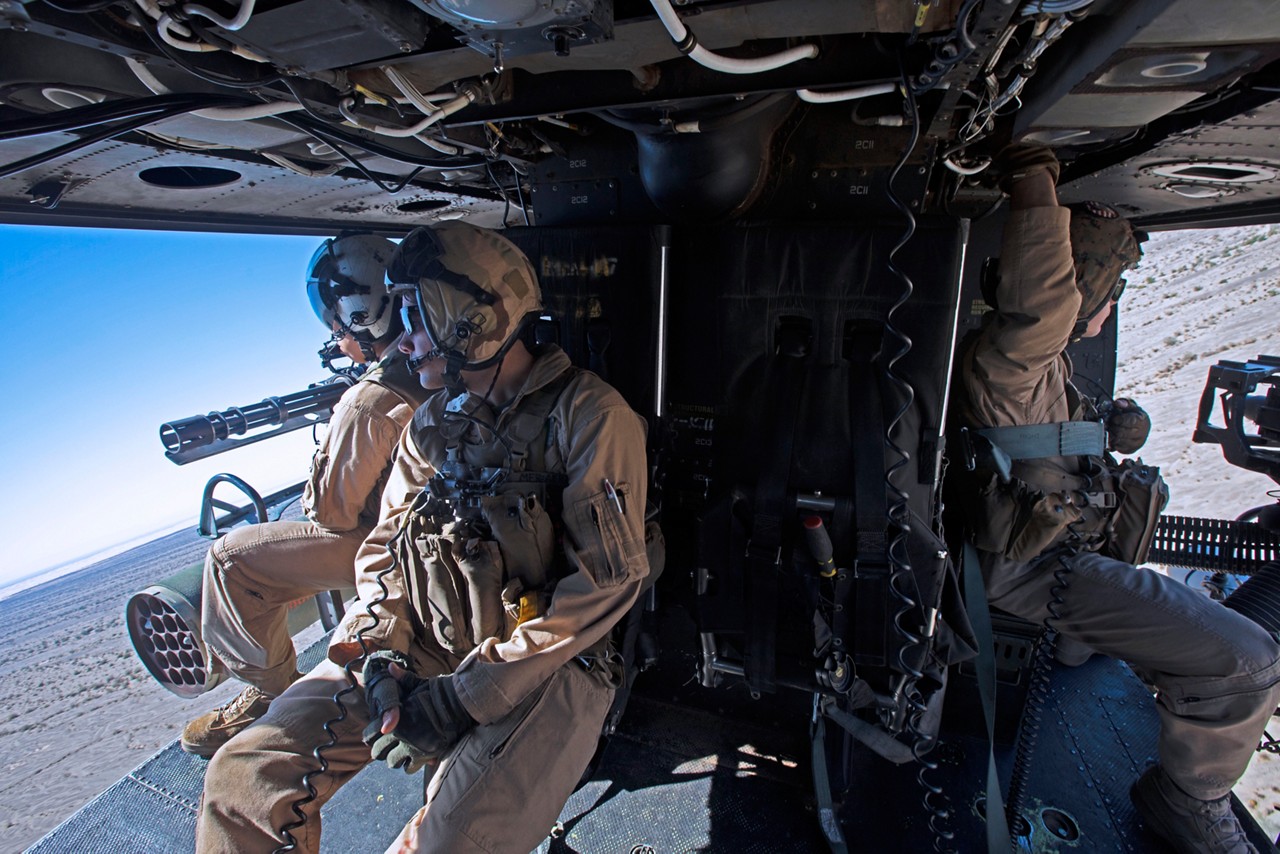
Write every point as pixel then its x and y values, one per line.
pixel 693 769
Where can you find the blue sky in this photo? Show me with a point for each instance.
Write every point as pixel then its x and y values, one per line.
pixel 111 333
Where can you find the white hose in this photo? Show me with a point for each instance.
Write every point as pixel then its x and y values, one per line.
pixel 846 94
pixel 163 26
pixel 151 8
pixel 167 26
pixel 464 99
pixel 217 114
pixel 419 100
pixel 255 111
pixel 729 65
pixel 281 160
pixel 442 147
pixel 965 170
pixel 241 18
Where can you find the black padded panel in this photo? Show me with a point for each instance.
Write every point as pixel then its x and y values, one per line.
pixel 600 285
pixel 733 288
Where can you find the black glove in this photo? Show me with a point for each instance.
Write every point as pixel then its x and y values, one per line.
pixel 432 718
pixel 1022 160
pixel 1128 426
pixel 382 694
pixel 381 691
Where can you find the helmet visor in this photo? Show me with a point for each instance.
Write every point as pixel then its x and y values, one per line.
pixel 414 316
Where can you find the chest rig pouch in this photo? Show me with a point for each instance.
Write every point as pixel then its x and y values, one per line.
pixel 1026 500
pixel 1143 495
pixel 481 544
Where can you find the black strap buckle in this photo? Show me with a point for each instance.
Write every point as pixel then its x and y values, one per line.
pixel 764 552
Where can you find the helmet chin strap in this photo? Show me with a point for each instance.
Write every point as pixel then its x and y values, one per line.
pixel 415 364
pixel 453 381
pixel 454 360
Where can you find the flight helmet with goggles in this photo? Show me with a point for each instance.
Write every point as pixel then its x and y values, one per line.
pixel 346 284
pixel 1103 246
pixel 474 290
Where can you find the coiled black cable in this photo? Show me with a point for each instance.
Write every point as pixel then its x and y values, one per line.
pixel 322 764
pixel 901 576
pixel 1038 684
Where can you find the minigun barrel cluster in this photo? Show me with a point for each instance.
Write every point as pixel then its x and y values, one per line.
pixel 201 436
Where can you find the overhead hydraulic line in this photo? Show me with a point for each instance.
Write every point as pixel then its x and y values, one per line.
pixel 156 106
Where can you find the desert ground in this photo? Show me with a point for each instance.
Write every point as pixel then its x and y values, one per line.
pixel 1196 298
pixel 79 710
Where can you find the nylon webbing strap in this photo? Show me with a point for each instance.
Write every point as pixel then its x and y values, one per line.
pixel 764 549
pixel 822 788
pixel 865 596
pixel 975 597
pixel 530 421
pixel 1060 439
pixel 599 336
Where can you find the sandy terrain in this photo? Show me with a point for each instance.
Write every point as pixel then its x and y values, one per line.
pixel 1196 298
pixel 1199 297
pixel 79 707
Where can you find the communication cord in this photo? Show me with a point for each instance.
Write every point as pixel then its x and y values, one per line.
pixel 416 509
pixel 1038 684
pixel 291 842
pixel 901 576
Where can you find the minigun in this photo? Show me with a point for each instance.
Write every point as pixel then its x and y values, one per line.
pixel 201 436
pixel 1243 402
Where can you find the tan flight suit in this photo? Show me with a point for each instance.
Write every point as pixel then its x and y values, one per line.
pixel 1215 671
pixel 253 573
pixel 539 692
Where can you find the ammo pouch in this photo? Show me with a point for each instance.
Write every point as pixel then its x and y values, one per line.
pixel 1142 495
pixel 484 576
pixel 1019 521
pixel 1025 501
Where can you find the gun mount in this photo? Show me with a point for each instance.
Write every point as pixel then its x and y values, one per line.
pixel 1239 383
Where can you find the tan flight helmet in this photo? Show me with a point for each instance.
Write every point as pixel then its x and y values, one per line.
pixel 1103 246
pixel 475 292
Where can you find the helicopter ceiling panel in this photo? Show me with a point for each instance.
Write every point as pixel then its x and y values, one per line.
pixel 392 113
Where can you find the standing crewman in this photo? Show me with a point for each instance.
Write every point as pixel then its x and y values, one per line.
pixel 511 541
pixel 253 573
pixel 1049 528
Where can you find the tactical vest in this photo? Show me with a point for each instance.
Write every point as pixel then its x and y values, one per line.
pixel 1029 499
pixel 480 547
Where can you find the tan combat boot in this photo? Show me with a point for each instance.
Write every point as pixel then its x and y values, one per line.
pixel 207 733
pixel 1189 825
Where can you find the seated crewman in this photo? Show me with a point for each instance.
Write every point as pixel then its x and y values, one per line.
pixel 491 636
pixel 1045 531
pixel 254 572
